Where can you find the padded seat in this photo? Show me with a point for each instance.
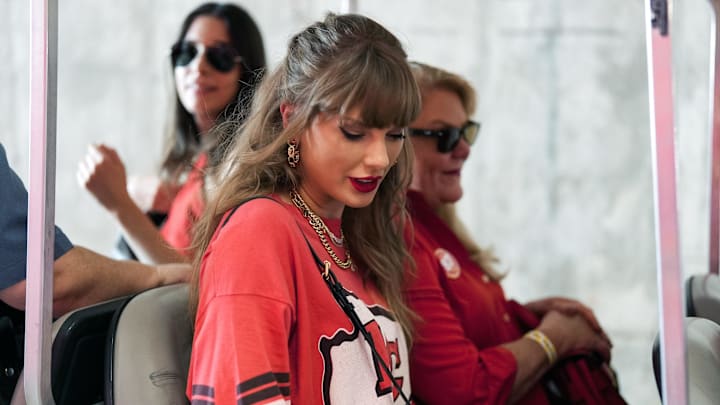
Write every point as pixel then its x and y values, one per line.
pixel 703 296
pixel 149 349
pixel 78 355
pixel 703 359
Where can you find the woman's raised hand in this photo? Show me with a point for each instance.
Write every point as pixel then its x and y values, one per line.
pixel 102 173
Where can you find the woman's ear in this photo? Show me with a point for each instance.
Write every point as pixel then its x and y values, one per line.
pixel 286 110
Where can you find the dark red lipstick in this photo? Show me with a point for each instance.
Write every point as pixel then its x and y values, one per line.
pixel 365 184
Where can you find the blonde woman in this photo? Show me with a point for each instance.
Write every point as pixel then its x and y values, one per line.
pixel 470 347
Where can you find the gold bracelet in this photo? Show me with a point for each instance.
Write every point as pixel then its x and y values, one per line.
pixel 544 342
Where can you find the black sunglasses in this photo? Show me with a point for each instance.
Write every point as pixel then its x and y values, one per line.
pixel 448 138
pixel 222 58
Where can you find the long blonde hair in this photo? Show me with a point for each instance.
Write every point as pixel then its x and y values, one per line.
pixel 430 77
pixel 343 62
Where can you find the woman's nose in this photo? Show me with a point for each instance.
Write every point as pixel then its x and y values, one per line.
pixel 200 62
pixel 376 155
pixel 462 149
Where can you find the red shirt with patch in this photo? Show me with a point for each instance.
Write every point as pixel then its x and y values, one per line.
pixel 456 356
pixel 268 330
pixel 186 208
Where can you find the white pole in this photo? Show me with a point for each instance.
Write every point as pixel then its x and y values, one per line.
pixel 41 201
pixel 714 251
pixel 348 6
pixel 673 351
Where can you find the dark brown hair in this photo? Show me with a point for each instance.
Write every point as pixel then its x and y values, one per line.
pixel 183 138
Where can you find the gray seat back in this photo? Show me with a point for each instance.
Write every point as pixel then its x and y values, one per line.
pixel 703 355
pixel 703 296
pixel 149 349
pixel 78 354
pixel 703 341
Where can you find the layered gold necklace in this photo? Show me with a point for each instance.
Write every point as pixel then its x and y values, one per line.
pixel 321 229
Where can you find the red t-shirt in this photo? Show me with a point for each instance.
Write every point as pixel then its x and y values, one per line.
pixel 268 330
pixel 186 208
pixel 456 356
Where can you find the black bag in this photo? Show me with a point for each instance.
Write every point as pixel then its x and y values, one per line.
pixel 12 323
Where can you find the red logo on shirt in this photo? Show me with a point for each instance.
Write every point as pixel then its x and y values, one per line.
pixel 351 371
pixel 388 354
pixel 448 263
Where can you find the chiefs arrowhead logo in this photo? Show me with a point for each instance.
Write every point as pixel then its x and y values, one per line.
pixel 342 352
pixel 448 263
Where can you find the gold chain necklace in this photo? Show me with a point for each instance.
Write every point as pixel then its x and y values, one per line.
pixel 319 226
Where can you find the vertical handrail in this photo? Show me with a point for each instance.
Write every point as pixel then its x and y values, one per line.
pixel 41 201
pixel 714 251
pixel 669 276
pixel 348 6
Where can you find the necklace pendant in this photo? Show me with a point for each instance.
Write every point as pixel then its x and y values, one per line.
pixel 339 242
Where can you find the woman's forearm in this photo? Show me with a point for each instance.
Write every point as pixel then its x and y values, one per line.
pixel 532 364
pixel 144 238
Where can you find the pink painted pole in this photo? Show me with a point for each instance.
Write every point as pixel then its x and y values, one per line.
pixel 348 6
pixel 714 251
pixel 673 352
pixel 41 201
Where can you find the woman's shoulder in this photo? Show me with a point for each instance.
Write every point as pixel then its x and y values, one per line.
pixel 251 252
pixel 259 227
pixel 265 213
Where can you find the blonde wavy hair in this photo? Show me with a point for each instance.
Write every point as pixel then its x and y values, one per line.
pixel 333 66
pixel 430 77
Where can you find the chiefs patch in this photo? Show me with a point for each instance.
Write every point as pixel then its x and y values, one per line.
pixel 346 357
pixel 448 263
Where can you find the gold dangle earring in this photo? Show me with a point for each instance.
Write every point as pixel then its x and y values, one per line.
pixel 293 153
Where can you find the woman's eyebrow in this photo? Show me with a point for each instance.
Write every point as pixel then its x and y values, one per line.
pixel 352 121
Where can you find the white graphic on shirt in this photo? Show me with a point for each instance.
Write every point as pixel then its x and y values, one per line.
pixel 351 374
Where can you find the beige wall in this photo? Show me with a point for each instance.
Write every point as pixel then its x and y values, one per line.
pixel 559 182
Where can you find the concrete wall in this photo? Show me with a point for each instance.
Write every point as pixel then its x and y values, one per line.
pixel 559 183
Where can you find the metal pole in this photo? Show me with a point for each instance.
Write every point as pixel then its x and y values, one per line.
pixel 673 351
pixel 41 201
pixel 714 251
pixel 348 6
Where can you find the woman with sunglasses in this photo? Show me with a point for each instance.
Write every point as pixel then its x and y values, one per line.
pixel 469 345
pixel 324 149
pixel 217 60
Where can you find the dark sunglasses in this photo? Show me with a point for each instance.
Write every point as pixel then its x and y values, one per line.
pixel 222 58
pixel 448 138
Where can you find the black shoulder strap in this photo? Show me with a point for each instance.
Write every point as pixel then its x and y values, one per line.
pixel 338 292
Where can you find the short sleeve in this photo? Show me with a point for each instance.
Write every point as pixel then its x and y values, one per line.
pixel 13 223
pixel 246 310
